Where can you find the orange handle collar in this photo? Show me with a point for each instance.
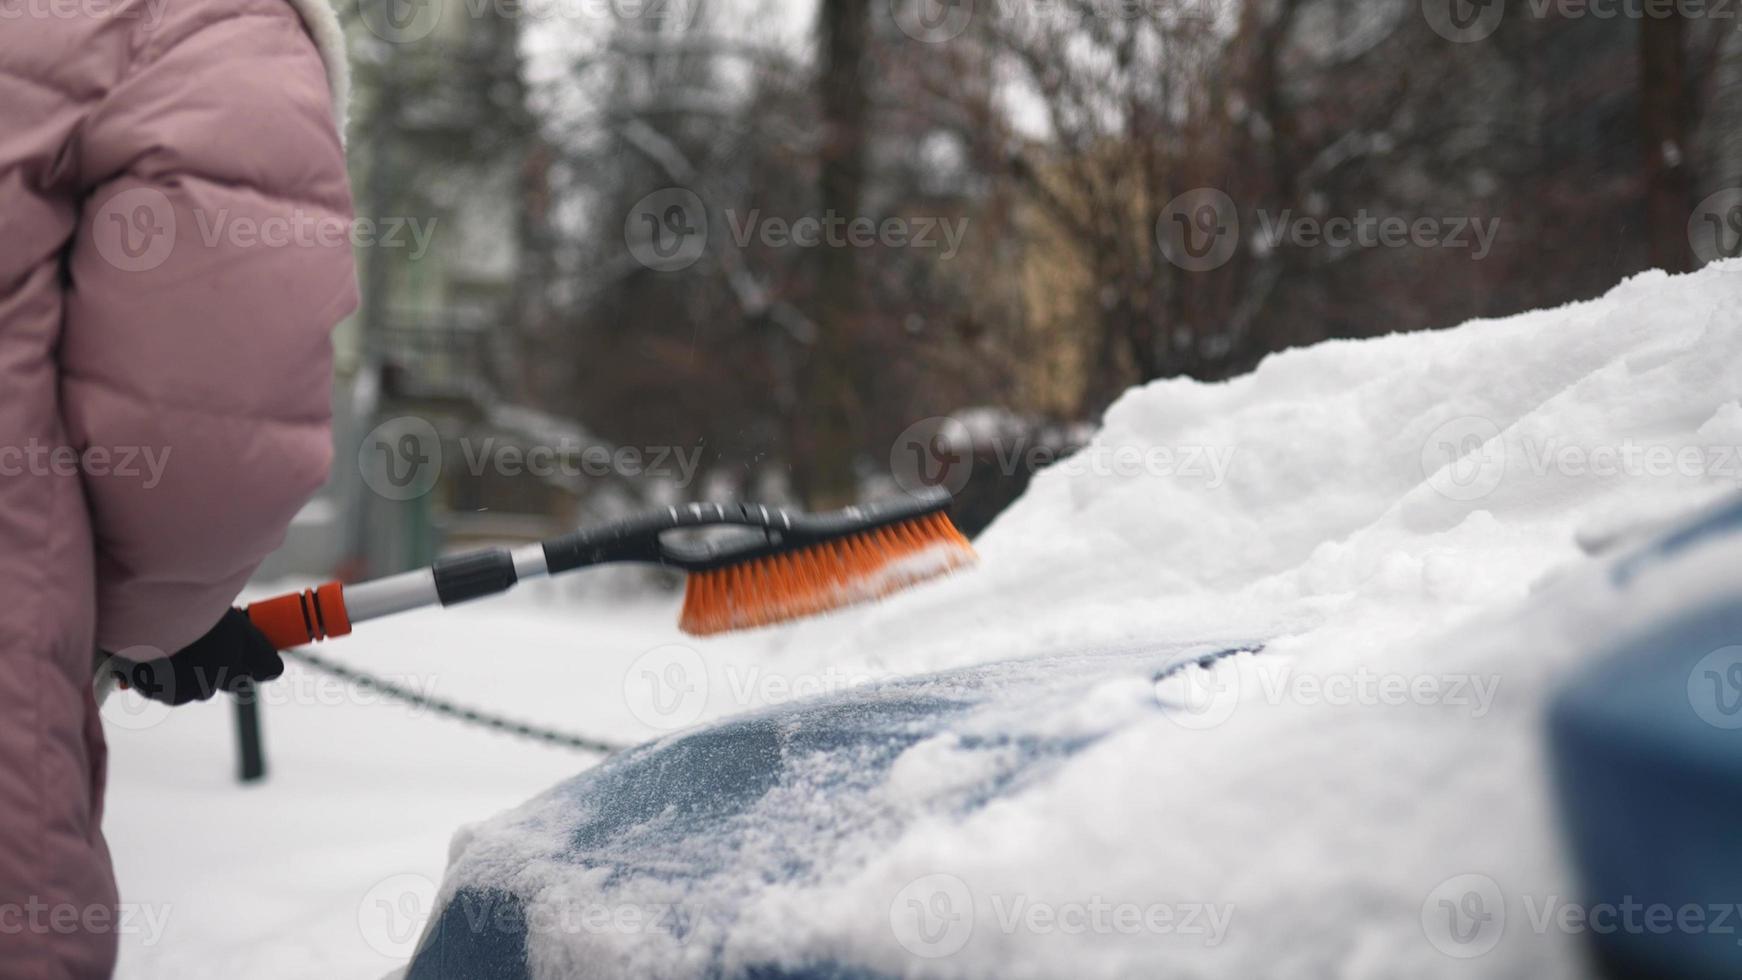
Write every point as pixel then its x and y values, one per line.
pixel 300 618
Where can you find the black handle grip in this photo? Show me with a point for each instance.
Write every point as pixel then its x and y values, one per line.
pixel 474 575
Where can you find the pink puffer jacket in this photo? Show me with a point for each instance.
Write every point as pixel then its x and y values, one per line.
pixel 175 249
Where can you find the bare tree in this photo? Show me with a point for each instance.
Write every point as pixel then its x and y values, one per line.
pixel 1663 132
pixel 825 463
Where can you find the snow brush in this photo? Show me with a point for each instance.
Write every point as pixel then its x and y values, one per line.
pixel 782 565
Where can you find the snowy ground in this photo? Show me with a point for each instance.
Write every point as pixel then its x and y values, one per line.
pixel 1389 511
pixel 329 867
pixel 274 880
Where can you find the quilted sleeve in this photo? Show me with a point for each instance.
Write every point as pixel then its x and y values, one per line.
pixel 212 262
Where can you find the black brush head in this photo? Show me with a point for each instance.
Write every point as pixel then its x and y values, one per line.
pixel 767 531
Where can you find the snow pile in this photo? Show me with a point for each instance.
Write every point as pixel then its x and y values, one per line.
pixel 1322 486
pixel 1400 519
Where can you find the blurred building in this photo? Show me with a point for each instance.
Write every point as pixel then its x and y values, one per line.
pixel 444 166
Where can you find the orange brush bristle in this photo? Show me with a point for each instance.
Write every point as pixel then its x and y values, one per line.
pixel 827 575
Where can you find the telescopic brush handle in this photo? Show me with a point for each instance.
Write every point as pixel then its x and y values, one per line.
pixel 300 618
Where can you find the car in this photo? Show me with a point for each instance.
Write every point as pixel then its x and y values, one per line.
pixel 662 861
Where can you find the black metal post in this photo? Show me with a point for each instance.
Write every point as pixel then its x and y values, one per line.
pixel 250 751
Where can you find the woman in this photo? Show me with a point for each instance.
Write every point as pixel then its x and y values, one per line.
pixel 173 255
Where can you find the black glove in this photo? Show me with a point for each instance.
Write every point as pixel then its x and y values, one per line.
pixel 227 658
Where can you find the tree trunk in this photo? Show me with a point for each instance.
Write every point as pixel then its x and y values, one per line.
pixel 825 471
pixel 1663 138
